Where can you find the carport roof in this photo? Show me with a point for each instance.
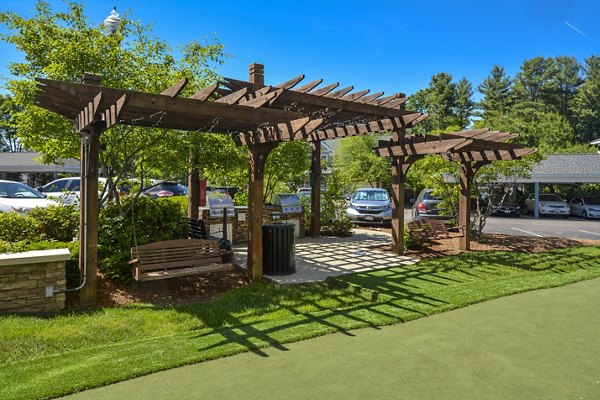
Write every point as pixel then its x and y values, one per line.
pixel 566 168
pixel 24 162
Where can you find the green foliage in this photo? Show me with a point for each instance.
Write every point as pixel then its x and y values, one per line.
pixel 496 89
pixel 65 45
pixel 289 162
pixel 358 164
pixel 17 228
pixel 57 222
pixel 334 220
pixel 8 133
pixel 537 128
pixel 586 109
pixel 145 221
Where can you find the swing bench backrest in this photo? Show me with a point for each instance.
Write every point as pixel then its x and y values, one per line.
pixel 177 258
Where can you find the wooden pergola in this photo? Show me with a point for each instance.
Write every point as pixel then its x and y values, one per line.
pixel 473 149
pixel 259 116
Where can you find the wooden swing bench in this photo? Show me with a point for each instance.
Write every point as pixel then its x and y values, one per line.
pixel 177 258
pixel 428 229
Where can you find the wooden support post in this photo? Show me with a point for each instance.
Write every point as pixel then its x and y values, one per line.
pixel 398 176
pixel 193 188
pixel 398 197
pixel 257 155
pixel 88 216
pixel 464 206
pixel 315 192
pixel 88 206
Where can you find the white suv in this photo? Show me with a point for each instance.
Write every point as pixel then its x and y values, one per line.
pixel 66 190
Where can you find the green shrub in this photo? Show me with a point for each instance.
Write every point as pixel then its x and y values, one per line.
pixel 16 228
pixel 334 220
pixel 135 222
pixel 60 223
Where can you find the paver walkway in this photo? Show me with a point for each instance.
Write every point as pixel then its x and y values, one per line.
pixel 537 345
pixel 317 259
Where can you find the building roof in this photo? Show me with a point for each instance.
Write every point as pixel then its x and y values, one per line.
pixel 26 163
pixel 566 168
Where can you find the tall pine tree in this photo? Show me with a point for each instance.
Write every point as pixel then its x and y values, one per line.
pixel 464 102
pixel 496 89
pixel 586 104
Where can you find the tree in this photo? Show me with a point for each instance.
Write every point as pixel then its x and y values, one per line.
pixel 546 130
pixel 64 45
pixel 359 164
pixel 464 103
pixel 442 101
pixel 8 134
pixel 288 162
pixel 567 79
pixel 586 103
pixel 534 84
pixel 496 89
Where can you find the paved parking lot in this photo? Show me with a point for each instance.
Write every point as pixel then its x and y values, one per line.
pixel 526 225
pixel 546 226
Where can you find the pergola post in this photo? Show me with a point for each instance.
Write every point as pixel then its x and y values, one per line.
pixel 257 155
pixel 193 189
pixel 464 205
pixel 398 197
pixel 315 192
pixel 89 206
pixel 397 205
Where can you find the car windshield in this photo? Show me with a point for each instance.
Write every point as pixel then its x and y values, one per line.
pixel 549 197
pixel 592 201
pixel 371 195
pixel 16 190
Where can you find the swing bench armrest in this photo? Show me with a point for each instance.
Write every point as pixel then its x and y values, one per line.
pixel 135 261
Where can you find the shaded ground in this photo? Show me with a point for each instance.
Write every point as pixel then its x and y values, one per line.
pixel 202 287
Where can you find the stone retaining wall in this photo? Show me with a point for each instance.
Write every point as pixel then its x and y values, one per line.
pixel 26 278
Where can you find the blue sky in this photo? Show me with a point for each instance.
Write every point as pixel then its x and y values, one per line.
pixel 391 46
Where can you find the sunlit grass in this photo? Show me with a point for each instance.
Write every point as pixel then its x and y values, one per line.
pixel 46 357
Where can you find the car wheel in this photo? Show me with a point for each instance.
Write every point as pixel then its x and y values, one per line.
pixel 584 214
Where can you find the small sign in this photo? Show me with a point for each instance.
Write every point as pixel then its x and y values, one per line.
pixel 241 217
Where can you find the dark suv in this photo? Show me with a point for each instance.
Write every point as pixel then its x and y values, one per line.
pixel 427 206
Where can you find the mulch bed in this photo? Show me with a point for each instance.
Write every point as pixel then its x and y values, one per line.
pixel 203 287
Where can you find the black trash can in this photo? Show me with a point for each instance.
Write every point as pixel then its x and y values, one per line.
pixel 278 249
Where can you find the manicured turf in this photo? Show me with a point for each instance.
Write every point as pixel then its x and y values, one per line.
pixel 45 357
pixel 537 345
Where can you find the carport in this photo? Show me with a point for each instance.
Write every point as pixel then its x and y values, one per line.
pixel 563 169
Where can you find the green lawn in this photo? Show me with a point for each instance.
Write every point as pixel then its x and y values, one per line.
pixel 47 357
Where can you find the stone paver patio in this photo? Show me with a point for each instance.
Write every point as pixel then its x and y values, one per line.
pixel 318 259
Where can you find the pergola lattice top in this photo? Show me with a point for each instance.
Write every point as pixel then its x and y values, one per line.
pixel 251 112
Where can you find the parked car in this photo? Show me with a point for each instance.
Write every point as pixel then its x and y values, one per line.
pixel 550 204
pixel 585 207
pixel 504 205
pixel 20 198
pixel 370 206
pixel 165 189
pixel 427 205
pixel 67 190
